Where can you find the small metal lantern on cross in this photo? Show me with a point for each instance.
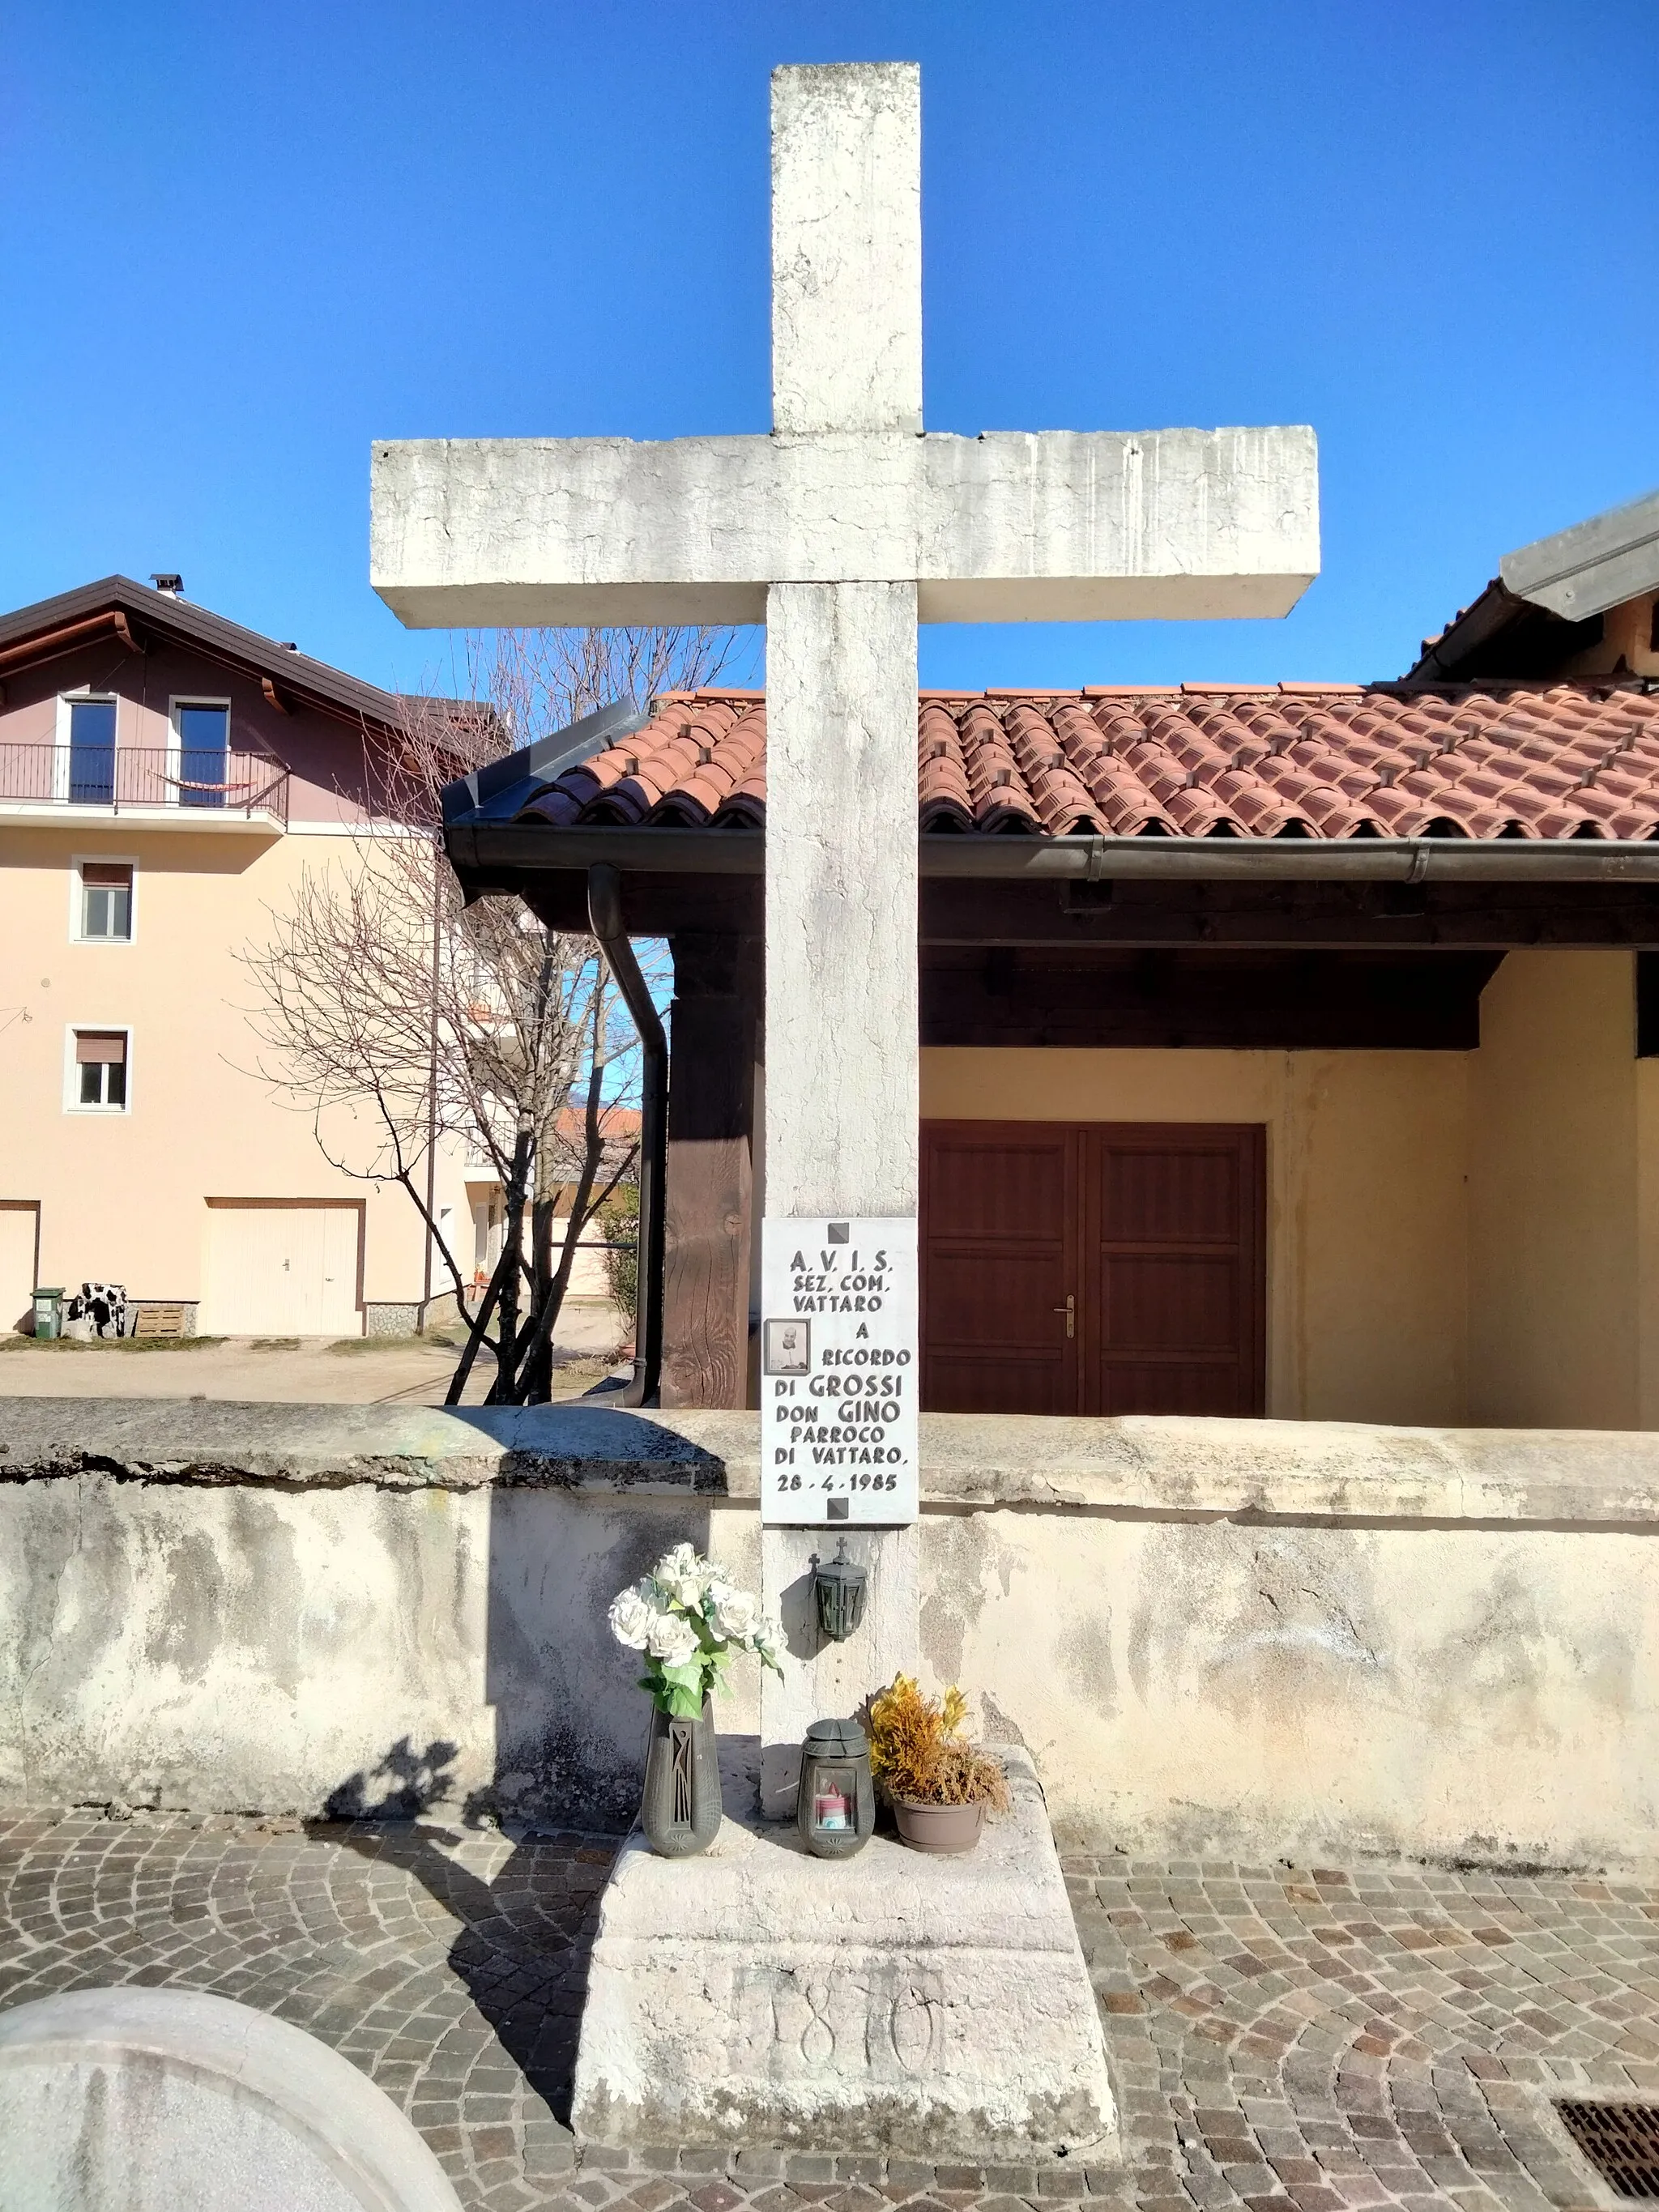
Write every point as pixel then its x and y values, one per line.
pixel 838 1593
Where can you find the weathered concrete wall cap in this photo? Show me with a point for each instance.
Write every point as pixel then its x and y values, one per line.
pixel 1165 1465
pixel 373 1447
pixel 170 2100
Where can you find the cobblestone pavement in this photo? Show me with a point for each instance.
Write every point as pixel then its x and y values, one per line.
pixel 1369 2036
pixel 1298 2041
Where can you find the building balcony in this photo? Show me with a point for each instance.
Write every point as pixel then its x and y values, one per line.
pixel 164 784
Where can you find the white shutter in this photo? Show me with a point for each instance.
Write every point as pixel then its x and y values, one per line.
pixel 281 1271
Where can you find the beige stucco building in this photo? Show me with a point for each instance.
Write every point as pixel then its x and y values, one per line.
pixel 1286 1048
pixel 165 776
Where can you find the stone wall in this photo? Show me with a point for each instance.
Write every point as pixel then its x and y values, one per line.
pixel 1216 1637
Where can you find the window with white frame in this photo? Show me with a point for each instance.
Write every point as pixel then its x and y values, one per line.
pixel 201 746
pixel 85 766
pixel 98 1070
pixel 103 902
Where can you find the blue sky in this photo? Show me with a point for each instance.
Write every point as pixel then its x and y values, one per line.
pixel 241 243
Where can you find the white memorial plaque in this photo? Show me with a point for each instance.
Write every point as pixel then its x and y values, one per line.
pixel 840 1371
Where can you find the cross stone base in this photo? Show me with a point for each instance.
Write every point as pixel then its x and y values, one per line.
pixel 928 2008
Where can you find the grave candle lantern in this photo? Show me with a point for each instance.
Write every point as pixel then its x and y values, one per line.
pixel 835 1808
pixel 838 1587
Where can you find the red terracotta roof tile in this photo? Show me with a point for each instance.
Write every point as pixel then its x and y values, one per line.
pixel 1540 760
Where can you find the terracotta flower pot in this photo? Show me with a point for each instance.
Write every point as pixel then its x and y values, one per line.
pixel 680 1809
pixel 938 1828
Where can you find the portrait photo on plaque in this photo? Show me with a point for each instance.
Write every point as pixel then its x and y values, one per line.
pixel 788 1347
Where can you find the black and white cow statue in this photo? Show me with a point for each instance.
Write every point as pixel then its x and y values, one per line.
pixel 104 1304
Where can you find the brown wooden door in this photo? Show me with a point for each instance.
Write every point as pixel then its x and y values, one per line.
pixel 1175 1284
pixel 1001 1219
pixel 1092 1267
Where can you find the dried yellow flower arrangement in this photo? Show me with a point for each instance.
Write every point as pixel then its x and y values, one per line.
pixel 923 1767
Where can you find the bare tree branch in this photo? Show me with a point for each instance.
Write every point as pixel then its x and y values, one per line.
pixel 404 1019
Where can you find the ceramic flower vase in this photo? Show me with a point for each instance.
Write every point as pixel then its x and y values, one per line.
pixel 680 1812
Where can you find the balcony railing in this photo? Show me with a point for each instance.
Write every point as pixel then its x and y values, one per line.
pixel 145 777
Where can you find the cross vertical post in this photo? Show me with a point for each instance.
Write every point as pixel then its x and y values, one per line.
pixel 842 1049
pixel 840 661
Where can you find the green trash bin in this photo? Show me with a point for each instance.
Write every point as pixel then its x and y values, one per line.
pixel 48 1314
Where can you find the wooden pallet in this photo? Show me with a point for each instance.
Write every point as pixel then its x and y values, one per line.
pixel 159 1321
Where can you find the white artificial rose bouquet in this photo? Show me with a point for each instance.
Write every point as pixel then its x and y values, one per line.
pixel 634 1613
pixel 687 1618
pixel 735 1614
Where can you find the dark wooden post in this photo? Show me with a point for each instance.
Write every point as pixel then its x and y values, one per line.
pixel 711 1066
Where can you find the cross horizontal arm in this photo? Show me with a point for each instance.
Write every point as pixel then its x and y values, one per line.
pixel 1069 526
pixel 1051 527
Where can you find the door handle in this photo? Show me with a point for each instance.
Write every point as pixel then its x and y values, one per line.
pixel 1070 1311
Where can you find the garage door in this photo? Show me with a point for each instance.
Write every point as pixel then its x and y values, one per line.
pixel 17 1230
pixel 281 1271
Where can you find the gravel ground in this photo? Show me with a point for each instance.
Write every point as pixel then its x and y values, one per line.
pixel 294 1370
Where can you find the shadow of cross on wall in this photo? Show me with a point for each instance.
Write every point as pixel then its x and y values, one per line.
pixel 528 1907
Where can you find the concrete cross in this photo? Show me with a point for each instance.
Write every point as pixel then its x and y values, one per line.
pixel 841 531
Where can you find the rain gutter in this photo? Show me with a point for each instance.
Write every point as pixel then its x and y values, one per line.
pixel 53 644
pixel 530 846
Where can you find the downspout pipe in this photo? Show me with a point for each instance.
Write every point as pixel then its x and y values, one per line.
pixel 604 915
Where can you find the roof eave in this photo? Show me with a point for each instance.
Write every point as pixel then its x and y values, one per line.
pixel 1475 625
pixel 482 852
pixel 1596 565
pixel 313 683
